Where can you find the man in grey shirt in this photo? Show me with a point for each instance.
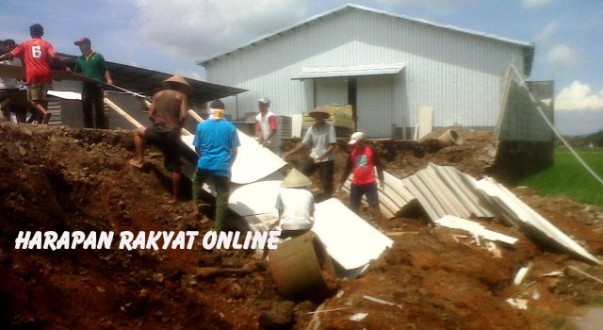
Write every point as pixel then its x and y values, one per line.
pixel 321 138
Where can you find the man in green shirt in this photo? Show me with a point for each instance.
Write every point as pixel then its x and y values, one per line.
pixel 92 64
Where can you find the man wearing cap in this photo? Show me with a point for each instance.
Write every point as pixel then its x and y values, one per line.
pixel 216 142
pixel 168 111
pixel 267 128
pixel 92 65
pixel 36 54
pixel 362 162
pixel 321 138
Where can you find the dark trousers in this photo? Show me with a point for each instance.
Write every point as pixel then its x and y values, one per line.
pixel 325 169
pixel 358 190
pixel 222 186
pixel 92 97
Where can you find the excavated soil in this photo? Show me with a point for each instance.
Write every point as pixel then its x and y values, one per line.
pixel 61 179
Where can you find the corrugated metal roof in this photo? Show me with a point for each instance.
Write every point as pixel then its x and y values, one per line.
pixel 528 47
pixel 444 190
pixel 519 214
pixel 393 199
pixel 349 71
pixel 147 82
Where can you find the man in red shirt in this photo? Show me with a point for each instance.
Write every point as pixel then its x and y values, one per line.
pixel 37 54
pixel 362 163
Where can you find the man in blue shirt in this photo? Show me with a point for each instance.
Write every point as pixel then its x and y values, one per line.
pixel 216 143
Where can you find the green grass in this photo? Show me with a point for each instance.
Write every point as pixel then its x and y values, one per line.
pixel 568 178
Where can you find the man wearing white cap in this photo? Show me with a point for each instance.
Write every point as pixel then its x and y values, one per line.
pixel 362 163
pixel 267 127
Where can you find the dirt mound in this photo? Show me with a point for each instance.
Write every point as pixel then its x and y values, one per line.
pixel 62 179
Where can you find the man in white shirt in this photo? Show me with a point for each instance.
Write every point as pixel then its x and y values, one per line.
pixel 295 205
pixel 321 138
pixel 266 126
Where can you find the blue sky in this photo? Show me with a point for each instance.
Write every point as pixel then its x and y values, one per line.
pixel 169 36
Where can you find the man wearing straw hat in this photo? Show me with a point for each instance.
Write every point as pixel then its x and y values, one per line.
pixel 295 205
pixel 321 138
pixel 168 111
pixel 216 142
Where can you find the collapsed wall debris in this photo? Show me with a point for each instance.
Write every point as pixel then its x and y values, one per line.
pixel 445 191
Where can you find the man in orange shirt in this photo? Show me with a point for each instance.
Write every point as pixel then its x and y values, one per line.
pixel 37 54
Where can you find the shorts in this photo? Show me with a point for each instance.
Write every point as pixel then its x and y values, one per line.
pixel 16 99
pixel 168 140
pixel 37 91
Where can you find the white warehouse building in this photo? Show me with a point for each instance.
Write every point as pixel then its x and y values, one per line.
pixel 385 65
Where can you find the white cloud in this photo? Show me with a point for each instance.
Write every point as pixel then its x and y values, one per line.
pixel 534 3
pixel 545 36
pixel 578 96
pixel 562 57
pixel 198 29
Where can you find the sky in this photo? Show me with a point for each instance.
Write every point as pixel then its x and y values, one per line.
pixel 170 36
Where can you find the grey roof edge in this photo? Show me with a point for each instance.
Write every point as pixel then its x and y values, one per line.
pixel 224 90
pixel 528 47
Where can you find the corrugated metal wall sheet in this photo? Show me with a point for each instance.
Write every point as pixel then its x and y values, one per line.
pixel 443 190
pixel 455 73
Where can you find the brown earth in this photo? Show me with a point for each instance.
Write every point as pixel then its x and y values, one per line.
pixel 66 180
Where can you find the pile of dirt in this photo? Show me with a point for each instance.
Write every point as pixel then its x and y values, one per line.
pixel 61 179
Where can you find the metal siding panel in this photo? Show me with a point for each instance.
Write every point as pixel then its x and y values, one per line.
pixel 374 106
pixel 331 91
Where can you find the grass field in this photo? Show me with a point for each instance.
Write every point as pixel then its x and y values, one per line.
pixel 568 178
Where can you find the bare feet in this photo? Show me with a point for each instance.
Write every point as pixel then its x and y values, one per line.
pixel 46 118
pixel 196 212
pixel 136 163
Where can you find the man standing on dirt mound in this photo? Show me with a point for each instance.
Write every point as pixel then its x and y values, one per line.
pixel 168 111
pixel 362 163
pixel 321 138
pixel 92 64
pixel 216 142
pixel 266 126
pixel 37 54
